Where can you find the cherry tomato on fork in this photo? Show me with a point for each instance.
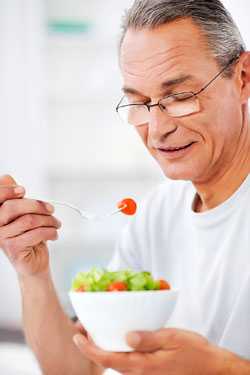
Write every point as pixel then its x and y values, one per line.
pixel 129 205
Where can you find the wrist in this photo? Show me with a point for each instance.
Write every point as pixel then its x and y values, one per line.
pixel 42 281
pixel 44 275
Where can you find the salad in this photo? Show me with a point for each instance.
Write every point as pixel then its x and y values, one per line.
pixel 101 280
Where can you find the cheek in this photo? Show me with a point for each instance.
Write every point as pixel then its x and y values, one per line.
pixel 143 134
pixel 220 133
pixel 226 115
pixel 225 127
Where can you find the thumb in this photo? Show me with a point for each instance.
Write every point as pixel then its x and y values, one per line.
pixel 80 327
pixel 145 341
pixel 7 180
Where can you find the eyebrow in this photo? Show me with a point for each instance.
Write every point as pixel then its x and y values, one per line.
pixel 167 85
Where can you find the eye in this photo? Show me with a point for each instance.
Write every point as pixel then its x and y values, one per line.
pixel 182 96
pixel 135 100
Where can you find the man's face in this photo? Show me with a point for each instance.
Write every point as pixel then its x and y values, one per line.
pixel 150 58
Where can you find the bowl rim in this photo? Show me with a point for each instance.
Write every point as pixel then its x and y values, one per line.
pixel 128 292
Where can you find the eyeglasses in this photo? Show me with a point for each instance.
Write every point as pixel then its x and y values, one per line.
pixel 175 105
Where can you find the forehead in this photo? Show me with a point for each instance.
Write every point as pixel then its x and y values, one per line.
pixel 150 55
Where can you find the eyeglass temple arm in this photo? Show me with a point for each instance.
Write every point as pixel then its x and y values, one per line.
pixel 117 107
pixel 217 75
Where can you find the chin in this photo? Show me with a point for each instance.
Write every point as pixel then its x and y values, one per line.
pixel 178 176
pixel 174 172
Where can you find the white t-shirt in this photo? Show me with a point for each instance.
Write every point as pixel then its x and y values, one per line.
pixel 205 255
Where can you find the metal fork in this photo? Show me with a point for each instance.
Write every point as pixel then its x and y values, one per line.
pixel 84 214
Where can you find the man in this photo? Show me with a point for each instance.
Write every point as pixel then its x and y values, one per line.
pixel 186 85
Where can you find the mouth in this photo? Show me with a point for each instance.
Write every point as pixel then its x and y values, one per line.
pixel 176 151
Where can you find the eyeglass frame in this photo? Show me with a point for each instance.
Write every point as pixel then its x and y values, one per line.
pixel 158 104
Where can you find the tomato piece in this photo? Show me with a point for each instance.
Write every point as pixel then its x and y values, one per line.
pixel 80 289
pixel 117 286
pixel 129 206
pixel 164 284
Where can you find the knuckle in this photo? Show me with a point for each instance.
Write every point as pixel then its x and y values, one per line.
pixel 39 232
pixel 106 362
pixel 6 176
pixel 30 220
pixel 48 233
pixel 52 232
pixel 172 333
pixel 42 206
pixel 5 212
pixel 55 221
pixel 7 181
pixel 51 220
pixel 7 205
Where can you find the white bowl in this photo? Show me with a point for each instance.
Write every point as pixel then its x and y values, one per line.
pixel 109 316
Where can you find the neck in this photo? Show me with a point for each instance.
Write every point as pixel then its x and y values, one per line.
pixel 225 183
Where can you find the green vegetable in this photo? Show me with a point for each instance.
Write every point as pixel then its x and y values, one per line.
pixel 99 280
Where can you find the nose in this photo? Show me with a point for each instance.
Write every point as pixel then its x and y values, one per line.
pixel 160 124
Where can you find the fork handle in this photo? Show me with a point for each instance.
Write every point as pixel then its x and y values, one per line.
pixel 69 205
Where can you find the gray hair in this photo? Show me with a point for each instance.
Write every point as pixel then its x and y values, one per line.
pixel 216 23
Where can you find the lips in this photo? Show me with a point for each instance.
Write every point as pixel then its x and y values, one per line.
pixel 174 149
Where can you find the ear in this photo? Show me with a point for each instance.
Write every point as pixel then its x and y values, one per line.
pixel 244 77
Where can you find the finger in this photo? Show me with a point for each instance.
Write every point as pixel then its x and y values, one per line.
pixel 121 362
pixel 7 180
pixel 80 328
pixel 150 341
pixel 26 223
pixel 13 246
pixel 11 192
pixel 12 209
pixel 9 189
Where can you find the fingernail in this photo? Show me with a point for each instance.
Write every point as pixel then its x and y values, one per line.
pixel 59 223
pixel 49 207
pixel 19 190
pixel 133 338
pixel 78 340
